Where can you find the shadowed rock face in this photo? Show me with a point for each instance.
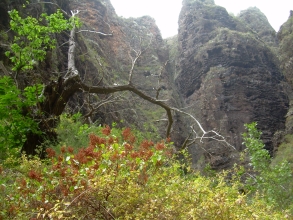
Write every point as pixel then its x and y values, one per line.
pixel 285 37
pixel 227 77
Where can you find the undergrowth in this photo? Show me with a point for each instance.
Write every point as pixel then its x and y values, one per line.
pixel 121 176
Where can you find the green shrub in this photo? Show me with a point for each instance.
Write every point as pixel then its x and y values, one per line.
pixel 14 123
pixel 272 181
pixel 285 151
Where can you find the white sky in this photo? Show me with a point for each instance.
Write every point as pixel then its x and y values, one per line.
pixel 166 12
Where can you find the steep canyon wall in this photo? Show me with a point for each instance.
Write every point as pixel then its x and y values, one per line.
pixel 228 75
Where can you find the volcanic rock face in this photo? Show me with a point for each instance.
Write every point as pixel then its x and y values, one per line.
pixel 259 25
pixel 285 37
pixel 227 77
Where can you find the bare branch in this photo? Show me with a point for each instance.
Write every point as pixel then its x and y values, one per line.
pixel 186 142
pixel 3 68
pixel 133 62
pixel 159 88
pixel 64 43
pixel 138 53
pixel 94 107
pixel 72 71
pixel 74 12
pixel 205 134
pixel 96 32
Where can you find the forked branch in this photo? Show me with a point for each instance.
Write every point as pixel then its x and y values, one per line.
pixel 73 83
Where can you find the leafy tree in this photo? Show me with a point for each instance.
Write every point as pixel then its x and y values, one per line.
pixel 21 109
pixel 274 182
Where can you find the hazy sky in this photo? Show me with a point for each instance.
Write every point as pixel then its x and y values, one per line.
pixel 166 12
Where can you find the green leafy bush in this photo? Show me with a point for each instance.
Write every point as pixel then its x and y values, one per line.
pixel 273 182
pixel 14 122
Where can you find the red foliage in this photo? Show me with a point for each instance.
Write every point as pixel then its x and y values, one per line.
pixel 63 172
pixel 115 156
pixel 12 210
pixel 34 175
pixel 134 155
pixel 128 147
pixel 63 149
pixel 131 139
pixel 169 153
pixel 96 166
pixel 23 183
pixel 123 154
pixel 70 149
pixel 50 152
pixel 128 136
pixel 111 140
pixel 126 133
pixel 106 130
pixel 89 151
pixel 146 144
pixel 60 158
pixel 160 146
pixel 96 141
pixel 148 155
pixel 56 166
pixel 81 156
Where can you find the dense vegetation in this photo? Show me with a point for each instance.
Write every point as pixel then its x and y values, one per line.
pixel 103 172
pixel 120 175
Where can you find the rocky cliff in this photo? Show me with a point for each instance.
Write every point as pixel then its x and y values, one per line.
pixel 285 37
pixel 228 76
